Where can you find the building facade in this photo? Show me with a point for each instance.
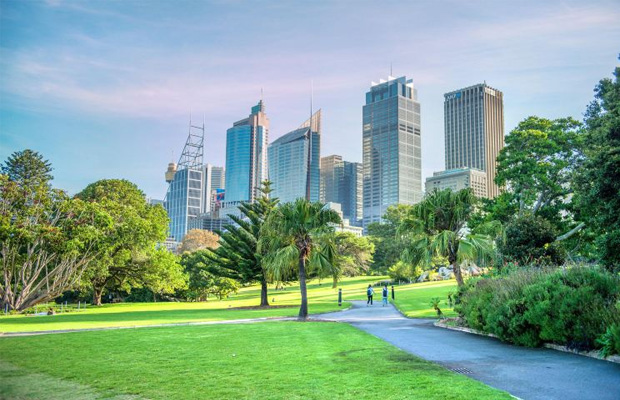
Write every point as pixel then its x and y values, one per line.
pixel 294 163
pixel 246 156
pixel 184 200
pixel 459 179
pixel 392 152
pixel 214 184
pixel 474 130
pixel 342 183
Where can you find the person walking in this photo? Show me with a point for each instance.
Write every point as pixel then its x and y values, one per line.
pixel 369 292
pixel 384 292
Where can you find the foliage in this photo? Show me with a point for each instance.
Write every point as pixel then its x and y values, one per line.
pixel 597 185
pixel 47 238
pixel 569 307
pixel 198 239
pixel 136 227
pixel 389 245
pixel 163 274
pixel 530 239
pixel 436 227
pixel 402 271
pixel 222 286
pixel 238 252
pixel 27 168
pixel 298 238
pixel 610 341
pixel 353 253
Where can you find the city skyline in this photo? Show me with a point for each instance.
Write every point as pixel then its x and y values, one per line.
pixel 94 75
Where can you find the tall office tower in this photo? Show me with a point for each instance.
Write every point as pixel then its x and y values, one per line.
pixel 391 147
pixel 246 156
pixel 292 172
pixel 474 129
pixel 341 182
pixel 213 180
pixel 185 196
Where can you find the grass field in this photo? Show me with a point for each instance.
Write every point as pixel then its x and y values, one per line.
pixel 413 300
pixel 269 360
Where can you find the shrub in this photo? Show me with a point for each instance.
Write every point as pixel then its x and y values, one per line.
pixel 530 239
pixel 571 307
pixel 402 271
pixel 610 341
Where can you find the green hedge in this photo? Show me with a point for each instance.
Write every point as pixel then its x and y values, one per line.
pixel 572 307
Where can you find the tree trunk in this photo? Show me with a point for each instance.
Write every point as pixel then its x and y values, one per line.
pixel 335 284
pixel 303 310
pixel 97 293
pixel 264 299
pixel 457 273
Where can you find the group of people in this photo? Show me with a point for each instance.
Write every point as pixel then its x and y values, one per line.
pixel 370 292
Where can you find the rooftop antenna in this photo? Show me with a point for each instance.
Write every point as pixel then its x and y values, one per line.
pixel 391 69
pixel 261 94
pixel 308 174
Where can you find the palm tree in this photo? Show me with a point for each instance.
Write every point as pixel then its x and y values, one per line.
pixel 437 227
pixel 297 233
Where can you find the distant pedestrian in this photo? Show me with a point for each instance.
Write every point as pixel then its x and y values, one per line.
pixel 385 292
pixel 369 293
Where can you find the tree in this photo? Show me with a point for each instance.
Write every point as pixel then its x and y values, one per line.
pixel 530 239
pixel 597 185
pixel 47 240
pixel 536 168
pixel 353 254
pixel 437 227
pixel 136 228
pixel 298 233
pixel 238 252
pixel 198 239
pixel 27 168
pixel 389 245
pixel 162 272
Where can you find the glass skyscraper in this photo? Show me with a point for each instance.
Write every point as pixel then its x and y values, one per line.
pixel 246 156
pixel 288 162
pixel 391 147
pixel 183 200
pixel 341 182
pixel 474 129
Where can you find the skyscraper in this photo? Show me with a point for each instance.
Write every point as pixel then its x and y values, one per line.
pixel 341 182
pixel 474 129
pixel 391 147
pixel 214 179
pixel 246 156
pixel 184 198
pixel 459 179
pixel 290 171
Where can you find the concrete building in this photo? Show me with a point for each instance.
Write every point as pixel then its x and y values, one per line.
pixel 458 179
pixel 474 130
pixel 346 224
pixel 294 161
pixel 392 152
pixel 213 185
pixel 246 156
pixel 342 182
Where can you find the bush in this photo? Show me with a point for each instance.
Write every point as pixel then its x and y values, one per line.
pixel 402 271
pixel 530 239
pixel 527 307
pixel 610 341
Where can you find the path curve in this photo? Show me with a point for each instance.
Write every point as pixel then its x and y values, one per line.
pixel 523 372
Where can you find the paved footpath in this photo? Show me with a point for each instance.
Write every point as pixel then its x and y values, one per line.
pixel 523 372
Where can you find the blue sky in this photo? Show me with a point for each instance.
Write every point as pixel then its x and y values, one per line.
pixel 104 89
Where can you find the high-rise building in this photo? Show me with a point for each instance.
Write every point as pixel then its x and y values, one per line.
pixel 214 179
pixel 294 162
pixel 246 156
pixel 184 198
pixel 341 182
pixel 474 130
pixel 459 179
pixel 391 147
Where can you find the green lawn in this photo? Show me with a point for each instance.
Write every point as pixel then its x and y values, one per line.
pixel 322 298
pixel 413 300
pixel 270 360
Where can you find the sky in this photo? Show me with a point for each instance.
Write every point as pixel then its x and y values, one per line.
pixel 105 89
